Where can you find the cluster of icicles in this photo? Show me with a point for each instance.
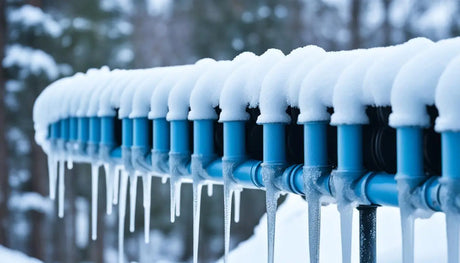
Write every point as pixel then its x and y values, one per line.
pixel 308 78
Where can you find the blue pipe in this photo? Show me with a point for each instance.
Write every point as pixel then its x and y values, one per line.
pixel 274 143
pixel 127 132
pixel 409 153
pixel 161 140
pixel 73 129
pixel 55 131
pixel 108 131
pixel 83 129
pixel 203 137
pixel 94 130
pixel 140 132
pixel 64 133
pixel 450 154
pixel 315 144
pixel 349 148
pixel 179 137
pixel 234 140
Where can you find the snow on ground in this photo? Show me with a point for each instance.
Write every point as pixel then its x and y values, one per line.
pixel 292 245
pixel 8 255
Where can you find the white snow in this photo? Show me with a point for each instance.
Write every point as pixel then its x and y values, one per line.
pixel 291 236
pixel 242 88
pixel 379 78
pixel 113 77
pixel 206 93
pixel 110 98
pixel 95 78
pixel 317 87
pixel 415 85
pixel 275 86
pixel 126 103
pixel 9 255
pixel 31 16
pixel 30 201
pixel 447 98
pixel 179 97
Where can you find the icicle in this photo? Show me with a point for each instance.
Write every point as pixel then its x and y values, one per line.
pixel 210 189
pixel 69 163
pixel 196 218
pixel 132 200
pixel 237 195
pixel 61 189
pixel 121 214
pixel 175 189
pixel 271 195
pixel 147 184
pixel 52 174
pixel 94 193
pixel 407 230
pixel 164 179
pixel 452 228
pixel 346 223
pixel 116 180
pixel 314 228
pixel 109 174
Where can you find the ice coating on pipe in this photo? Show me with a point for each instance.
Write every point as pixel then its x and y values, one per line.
pixel 300 71
pixel 179 97
pixel 242 88
pixel 317 87
pixel 159 98
pixel 348 96
pixel 274 92
pixel 447 98
pixel 206 93
pixel 379 79
pixel 418 80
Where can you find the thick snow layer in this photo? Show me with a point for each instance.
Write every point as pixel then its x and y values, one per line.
pixel 96 79
pixel 292 236
pixel 109 99
pixel 142 94
pixel 31 16
pixel 159 98
pixel 243 86
pixel 447 98
pixel 179 97
pixel 113 77
pixel 126 103
pixel 348 97
pixel 9 255
pixel 275 86
pixel 380 76
pixel 317 87
pixel 206 93
pixel 300 71
pixel 415 85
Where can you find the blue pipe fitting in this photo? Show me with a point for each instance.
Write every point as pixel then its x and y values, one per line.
pixel 55 131
pixel 126 142
pixel 203 150
pixel 108 131
pixel 83 129
pixel 94 130
pixel 140 148
pixel 73 129
pixel 64 131
pixel 274 143
pixel 234 141
pixel 161 146
pixel 179 154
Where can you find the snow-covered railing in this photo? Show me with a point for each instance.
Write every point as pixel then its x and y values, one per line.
pixel 203 124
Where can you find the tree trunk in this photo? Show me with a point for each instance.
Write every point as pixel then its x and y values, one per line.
pixel 4 186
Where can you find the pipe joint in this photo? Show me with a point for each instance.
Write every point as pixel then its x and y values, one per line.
pixel 199 164
pixel 272 176
pixel 346 187
pixel 140 159
pixel 160 162
pixel 317 182
pixel 412 193
pixel 126 158
pixel 449 195
pixel 179 164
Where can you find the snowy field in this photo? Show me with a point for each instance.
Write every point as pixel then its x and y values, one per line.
pixel 292 245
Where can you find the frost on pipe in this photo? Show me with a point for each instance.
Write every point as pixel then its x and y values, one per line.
pixel 446 99
pixel 417 80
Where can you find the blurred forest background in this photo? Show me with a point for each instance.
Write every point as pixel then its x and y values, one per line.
pixel 43 40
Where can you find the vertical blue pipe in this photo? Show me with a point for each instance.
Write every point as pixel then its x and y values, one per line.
pixel 409 152
pixel 73 129
pixel 349 148
pixel 450 155
pixel 203 137
pixel 55 130
pixel 179 136
pixel 140 132
pixel 83 129
pixel 127 132
pixel 274 143
pixel 94 130
pixel 315 144
pixel 65 129
pixel 108 130
pixel 161 135
pixel 234 140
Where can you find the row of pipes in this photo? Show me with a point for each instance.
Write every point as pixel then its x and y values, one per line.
pixel 162 122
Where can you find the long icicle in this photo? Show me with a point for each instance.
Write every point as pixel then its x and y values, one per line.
pixel 94 193
pixel 69 163
pixel 452 228
pixel 407 230
pixel 314 229
pixel 237 196
pixel 147 184
pixel 116 180
pixel 52 174
pixel 132 200
pixel 121 214
pixel 196 218
pixel 210 189
pixel 228 193
pixel 346 224
pixel 61 189
pixel 271 199
pixel 109 173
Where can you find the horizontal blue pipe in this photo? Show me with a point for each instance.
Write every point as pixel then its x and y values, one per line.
pixel 450 155
pixel 234 140
pixel 108 131
pixel 73 128
pixel 203 137
pixel 381 189
pixel 274 148
pixel 180 137
pixel 161 138
pixel 140 132
pixel 126 132
pixel 349 148
pixel 94 130
pixel 83 129
pixel 64 135
pixel 315 144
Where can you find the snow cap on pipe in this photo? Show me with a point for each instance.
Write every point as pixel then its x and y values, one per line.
pixel 242 88
pixel 179 97
pixel 126 102
pixel 348 96
pixel 112 77
pixel 317 88
pixel 142 95
pixel 63 100
pixel 99 78
pixel 206 93
pixel 447 98
pixel 109 98
pixel 415 85
pixel 300 71
pixel 275 86
pixel 382 73
pixel 159 98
